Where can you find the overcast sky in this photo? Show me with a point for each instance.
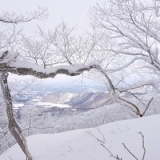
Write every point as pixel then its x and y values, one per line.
pixel 71 11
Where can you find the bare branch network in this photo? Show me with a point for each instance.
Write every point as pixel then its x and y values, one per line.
pixel 124 40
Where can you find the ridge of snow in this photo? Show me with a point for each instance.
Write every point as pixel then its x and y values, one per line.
pixel 79 145
pixel 28 65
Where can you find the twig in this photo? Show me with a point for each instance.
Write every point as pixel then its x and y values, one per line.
pixel 102 143
pixel 147 106
pixel 143 146
pixel 4 134
pixel 129 151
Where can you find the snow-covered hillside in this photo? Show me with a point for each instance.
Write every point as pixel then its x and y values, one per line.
pixel 43 120
pixel 89 144
pixel 79 100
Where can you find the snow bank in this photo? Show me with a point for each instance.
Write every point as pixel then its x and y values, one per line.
pixel 49 104
pixel 82 144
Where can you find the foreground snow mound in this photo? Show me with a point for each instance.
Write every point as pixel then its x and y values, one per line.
pixel 97 143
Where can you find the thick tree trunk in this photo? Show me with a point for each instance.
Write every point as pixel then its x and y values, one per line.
pixel 12 124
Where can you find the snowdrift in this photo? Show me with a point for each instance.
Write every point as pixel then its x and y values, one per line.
pixel 96 143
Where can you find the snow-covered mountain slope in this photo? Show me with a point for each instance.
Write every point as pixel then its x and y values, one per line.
pixel 79 100
pixel 89 144
pixel 90 100
pixel 58 97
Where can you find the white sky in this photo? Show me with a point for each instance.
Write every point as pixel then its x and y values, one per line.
pixel 71 11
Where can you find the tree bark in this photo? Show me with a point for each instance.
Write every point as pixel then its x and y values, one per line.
pixel 12 124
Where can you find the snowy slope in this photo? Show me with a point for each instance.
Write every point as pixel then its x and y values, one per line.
pixel 81 145
pixel 79 100
pixel 58 97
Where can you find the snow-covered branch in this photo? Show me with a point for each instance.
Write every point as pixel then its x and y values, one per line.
pixel 133 28
pixel 9 63
pixel 139 85
pixel 13 18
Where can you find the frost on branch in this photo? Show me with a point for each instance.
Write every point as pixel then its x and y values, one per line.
pixel 11 17
pixel 133 28
pixel 10 63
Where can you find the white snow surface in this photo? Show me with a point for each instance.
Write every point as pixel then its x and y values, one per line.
pixel 49 104
pixel 17 105
pixel 79 145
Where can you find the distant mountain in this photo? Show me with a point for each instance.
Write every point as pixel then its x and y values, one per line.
pixel 63 97
pixel 79 100
pixel 90 100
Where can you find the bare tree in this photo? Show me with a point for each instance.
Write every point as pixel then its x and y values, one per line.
pixel 130 29
pixel 55 53
pixel 133 27
pixel 8 41
pixel 130 42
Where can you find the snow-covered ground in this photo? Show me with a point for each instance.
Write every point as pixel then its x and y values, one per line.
pixel 89 144
pixel 18 105
pixel 49 104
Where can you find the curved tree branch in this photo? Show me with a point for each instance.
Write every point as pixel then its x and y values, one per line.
pixel 9 63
